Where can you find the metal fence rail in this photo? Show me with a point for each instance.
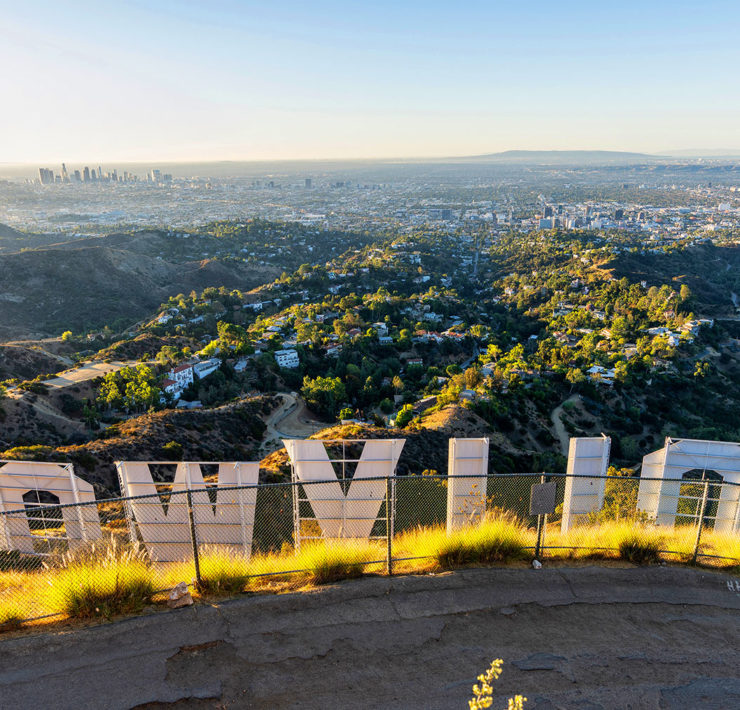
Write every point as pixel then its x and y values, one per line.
pixel 276 533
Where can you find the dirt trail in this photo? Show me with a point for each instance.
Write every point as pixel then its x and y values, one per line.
pixel 291 419
pixel 560 431
pixel 88 371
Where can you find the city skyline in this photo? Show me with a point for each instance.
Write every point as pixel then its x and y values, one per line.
pixel 175 81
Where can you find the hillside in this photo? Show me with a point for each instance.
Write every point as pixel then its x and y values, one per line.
pixel 230 432
pixel 427 444
pixel 12 240
pixel 46 291
pixel 26 362
pixel 710 272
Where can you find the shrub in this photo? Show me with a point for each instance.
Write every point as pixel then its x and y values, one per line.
pixel 332 561
pixel 222 572
pixel 11 616
pixel 173 450
pixel 640 550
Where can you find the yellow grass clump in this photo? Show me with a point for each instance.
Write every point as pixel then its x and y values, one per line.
pixel 101 580
pixel 497 538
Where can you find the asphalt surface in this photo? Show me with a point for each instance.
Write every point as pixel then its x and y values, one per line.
pixel 585 638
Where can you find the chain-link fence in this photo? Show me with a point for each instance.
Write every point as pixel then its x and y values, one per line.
pixel 116 555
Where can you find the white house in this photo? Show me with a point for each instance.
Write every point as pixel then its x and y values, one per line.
pixel 241 364
pixel 287 358
pixel 206 367
pixel 182 375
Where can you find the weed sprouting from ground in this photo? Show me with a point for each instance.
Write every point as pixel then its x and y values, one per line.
pixel 483 690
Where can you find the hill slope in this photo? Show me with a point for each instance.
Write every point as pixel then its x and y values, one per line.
pixel 46 291
pixel 228 433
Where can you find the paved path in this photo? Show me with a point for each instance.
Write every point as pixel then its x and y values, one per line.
pixel 587 637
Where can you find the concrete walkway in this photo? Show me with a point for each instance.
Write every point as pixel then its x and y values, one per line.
pixel 585 637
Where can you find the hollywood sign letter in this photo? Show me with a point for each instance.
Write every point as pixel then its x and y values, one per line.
pixel 81 523
pixel 467 478
pixel 587 456
pixel 659 498
pixel 229 524
pixel 340 516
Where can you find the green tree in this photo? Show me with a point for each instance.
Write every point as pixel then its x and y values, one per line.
pixel 404 416
pixel 324 394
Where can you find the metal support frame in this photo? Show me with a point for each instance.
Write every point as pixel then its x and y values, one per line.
pixel 701 522
pixel 541 523
pixel 299 496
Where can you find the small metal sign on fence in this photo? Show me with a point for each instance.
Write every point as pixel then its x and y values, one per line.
pixel 542 498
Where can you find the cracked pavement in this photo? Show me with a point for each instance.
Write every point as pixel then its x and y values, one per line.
pixel 584 637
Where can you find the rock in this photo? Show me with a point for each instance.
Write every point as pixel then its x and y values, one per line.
pixel 179 596
pixel 536 564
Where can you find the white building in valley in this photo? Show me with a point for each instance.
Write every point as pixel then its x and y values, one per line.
pixel 287 358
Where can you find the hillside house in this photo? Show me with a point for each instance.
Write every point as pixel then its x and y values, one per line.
pixel 287 358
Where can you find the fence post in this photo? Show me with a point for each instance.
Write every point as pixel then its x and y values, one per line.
pixel 701 521
pixel 193 538
pixel 540 526
pixel 389 525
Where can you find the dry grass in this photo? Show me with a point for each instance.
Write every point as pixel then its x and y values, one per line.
pixel 223 572
pixel 11 616
pixel 498 538
pixel 102 580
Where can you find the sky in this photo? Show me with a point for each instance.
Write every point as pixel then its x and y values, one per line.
pixel 139 80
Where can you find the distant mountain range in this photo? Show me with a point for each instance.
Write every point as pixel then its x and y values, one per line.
pixel 562 157
pixel 256 168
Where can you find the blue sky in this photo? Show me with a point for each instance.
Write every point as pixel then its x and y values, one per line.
pixel 136 80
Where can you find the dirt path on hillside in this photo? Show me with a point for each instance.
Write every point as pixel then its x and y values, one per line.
pixel 291 419
pixel 88 371
pixel 560 431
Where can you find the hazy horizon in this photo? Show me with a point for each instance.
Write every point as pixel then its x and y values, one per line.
pixel 182 167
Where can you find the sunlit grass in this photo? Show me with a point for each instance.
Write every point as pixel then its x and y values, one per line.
pixel 319 562
pixel 103 580
pixel 11 615
pixel 603 541
pixel 108 579
pixel 498 538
